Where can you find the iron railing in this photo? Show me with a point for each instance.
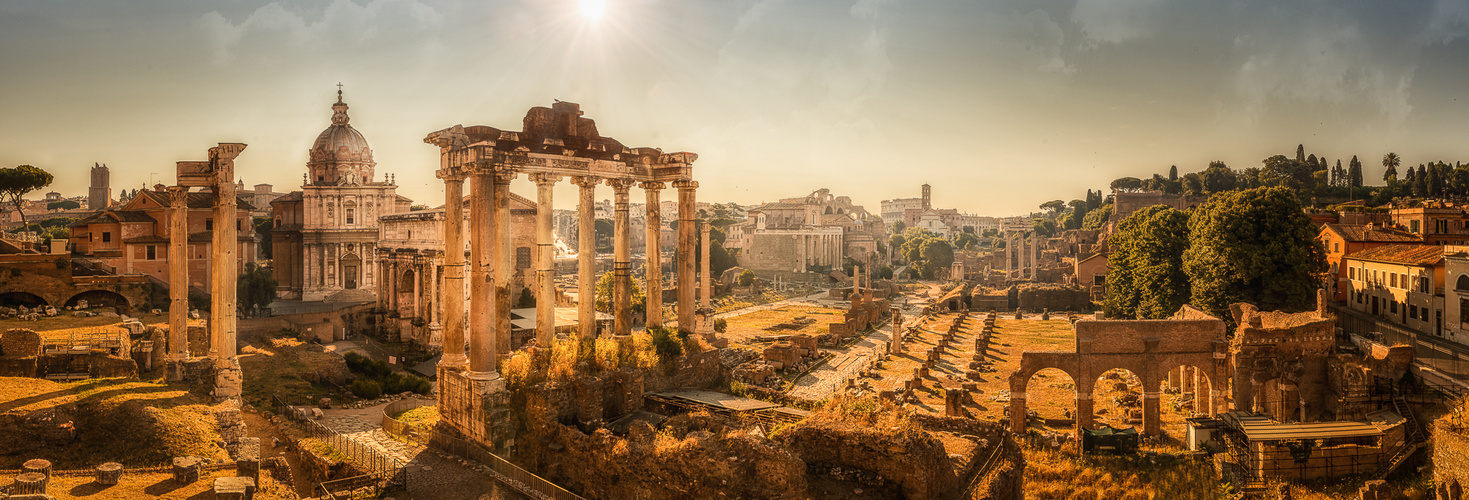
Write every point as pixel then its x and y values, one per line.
pixel 507 472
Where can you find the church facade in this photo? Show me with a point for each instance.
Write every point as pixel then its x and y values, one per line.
pixel 324 241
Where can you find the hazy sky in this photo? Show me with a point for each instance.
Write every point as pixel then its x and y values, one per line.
pixel 1000 105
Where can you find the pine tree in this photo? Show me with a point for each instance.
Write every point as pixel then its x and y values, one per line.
pixel 1301 152
pixel 1173 173
pixel 1354 173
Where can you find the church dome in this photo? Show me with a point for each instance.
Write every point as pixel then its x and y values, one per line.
pixel 340 153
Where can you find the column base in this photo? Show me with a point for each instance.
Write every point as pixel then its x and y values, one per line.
pixel 192 371
pixel 482 376
pixel 456 362
pixel 229 380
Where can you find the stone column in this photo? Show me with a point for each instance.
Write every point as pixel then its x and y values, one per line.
pixel 895 343
pixel 1008 243
pixel 655 253
pixel 482 335
pixel 686 228
pixel 228 381
pixel 705 280
pixel 504 261
pixel 545 257
pixel 621 259
pixel 586 256
pixel 1017 412
pixel 1150 413
pixel 1084 412
pixel 1035 254
pixel 178 276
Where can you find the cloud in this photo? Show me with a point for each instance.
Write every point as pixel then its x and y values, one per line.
pixel 1047 41
pixel 1116 21
pixel 273 31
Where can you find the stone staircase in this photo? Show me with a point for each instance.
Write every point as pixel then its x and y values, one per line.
pixel 352 295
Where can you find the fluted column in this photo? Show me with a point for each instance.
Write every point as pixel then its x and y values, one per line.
pixel 704 278
pixel 222 283
pixel 545 258
pixel 178 274
pixel 655 254
pixel 482 289
pixel 586 256
pixel 1008 244
pixel 686 236
pixel 621 259
pixel 504 261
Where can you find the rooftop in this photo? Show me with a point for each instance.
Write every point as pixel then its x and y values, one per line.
pixel 1413 255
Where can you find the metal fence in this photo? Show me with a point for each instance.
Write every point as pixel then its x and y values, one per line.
pixel 415 434
pixel 509 473
pixel 383 469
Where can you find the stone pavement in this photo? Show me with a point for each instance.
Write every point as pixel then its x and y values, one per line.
pixel 823 380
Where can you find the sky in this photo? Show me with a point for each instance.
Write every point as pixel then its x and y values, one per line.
pixel 1000 105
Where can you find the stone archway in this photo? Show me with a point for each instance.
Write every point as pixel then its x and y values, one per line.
pixel 407 293
pixel 12 299
pixel 102 298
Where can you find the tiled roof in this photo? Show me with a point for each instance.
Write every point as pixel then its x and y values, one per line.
pixel 1413 255
pixel 200 200
pixel 146 239
pixel 1361 233
pixel 118 215
pixel 291 196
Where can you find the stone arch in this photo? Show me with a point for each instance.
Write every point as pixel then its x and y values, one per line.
pixel 52 290
pixel 407 292
pixel 1103 380
pixel 1456 491
pixel 105 298
pixel 1024 408
pixel 18 298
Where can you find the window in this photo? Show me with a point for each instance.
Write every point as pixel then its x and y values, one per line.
pixel 351 215
pixel 1413 226
pixel 152 252
pixel 208 224
pixel 1423 284
pixel 522 258
pixel 277 222
pixel 1462 283
pixel 1393 306
pixel 106 237
pixel 1100 280
pixel 1413 311
pixel 1392 280
pixel 1441 226
pixel 237 224
pixel 1336 247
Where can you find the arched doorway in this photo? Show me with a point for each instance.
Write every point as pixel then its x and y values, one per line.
pixel 351 270
pixel 101 298
pixel 1048 398
pixel 1280 399
pixel 1117 399
pixel 14 299
pixel 407 293
pixel 1187 393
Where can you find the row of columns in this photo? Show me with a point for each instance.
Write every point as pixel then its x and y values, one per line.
pixel 1018 261
pixel 490 263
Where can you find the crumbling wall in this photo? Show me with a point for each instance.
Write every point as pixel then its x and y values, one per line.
pixel 107 366
pixel 1451 453
pixel 911 458
pixel 698 370
pixel 1036 297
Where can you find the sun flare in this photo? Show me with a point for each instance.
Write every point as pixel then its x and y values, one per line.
pixel 593 9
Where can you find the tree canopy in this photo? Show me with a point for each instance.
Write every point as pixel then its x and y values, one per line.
pixel 1253 246
pixel 15 182
pixel 1145 278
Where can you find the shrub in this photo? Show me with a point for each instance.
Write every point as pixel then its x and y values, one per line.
pixel 720 325
pixel 607 353
pixel 747 278
pixel 518 370
pixel 564 357
pixel 666 343
pixel 366 389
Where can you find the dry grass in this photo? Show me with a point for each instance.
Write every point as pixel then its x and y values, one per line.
pixel 154 485
pixel 425 416
pixel 137 424
pixel 1061 475
pixel 67 321
pixel 571 357
pixel 745 327
pixel 280 364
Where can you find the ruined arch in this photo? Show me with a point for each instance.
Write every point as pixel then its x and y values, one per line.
pixel 17 298
pixel 407 292
pixel 104 298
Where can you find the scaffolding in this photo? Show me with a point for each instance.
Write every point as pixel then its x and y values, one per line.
pixel 1267 449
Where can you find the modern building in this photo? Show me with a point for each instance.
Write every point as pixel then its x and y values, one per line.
pixel 1339 240
pixel 134 238
pixel 1403 284
pixel 1437 223
pixel 325 236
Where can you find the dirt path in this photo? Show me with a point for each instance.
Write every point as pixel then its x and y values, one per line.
pixel 258 427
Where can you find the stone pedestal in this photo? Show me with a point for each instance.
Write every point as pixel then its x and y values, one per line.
pixel 40 465
pixel 185 469
pixel 1151 424
pixel 108 474
pixel 1017 413
pixel 228 381
pixel 953 402
pixel 30 483
pixel 234 488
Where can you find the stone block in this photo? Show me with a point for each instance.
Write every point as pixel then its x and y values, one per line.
pixel 30 483
pixel 185 469
pixel 109 473
pixel 20 343
pixel 973 375
pixel 234 488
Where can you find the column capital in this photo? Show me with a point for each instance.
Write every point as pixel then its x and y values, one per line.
pixel 451 174
pixel 686 184
pixel 504 176
pixel 652 185
pixel 620 185
pixel 586 181
pixel 546 179
pixel 178 195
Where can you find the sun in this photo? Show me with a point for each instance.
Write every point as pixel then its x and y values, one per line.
pixel 593 9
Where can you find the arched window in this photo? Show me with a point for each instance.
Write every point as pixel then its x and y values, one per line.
pixel 1462 283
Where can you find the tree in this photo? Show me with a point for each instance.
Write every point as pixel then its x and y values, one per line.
pixel 1218 178
pixel 1173 173
pixel 1281 171
pixel 1253 246
pixel 1127 184
pixel 1301 153
pixel 1354 173
pixel 1390 163
pixel 1044 227
pixel 1079 209
pixel 1193 184
pixel 964 240
pixel 747 277
pixel 1145 277
pixel 1054 206
pixel 1096 219
pixel 1419 182
pixel 255 288
pixel 263 225
pixel 638 300
pixel 15 182
pixel 899 227
pixel 63 205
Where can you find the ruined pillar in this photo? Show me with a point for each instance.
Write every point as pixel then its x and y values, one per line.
pixel 704 278
pixel 453 358
pixel 621 259
pixel 1150 413
pixel 503 261
pixel 1186 380
pixel 686 228
pixel 1008 243
pixel 1035 254
pixel 586 256
pixel 228 381
pixel 482 335
pixel 654 245
pixel 545 260
pixel 1085 416
pixel 178 279
pixel 1017 412
pixel 895 344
